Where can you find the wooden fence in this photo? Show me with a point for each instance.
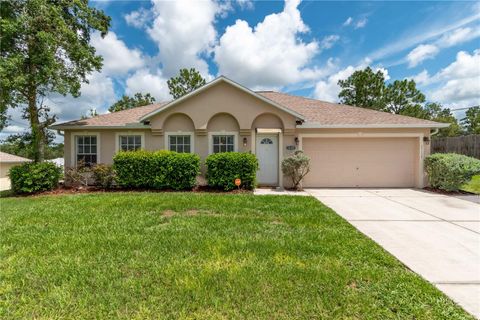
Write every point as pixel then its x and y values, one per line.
pixel 467 145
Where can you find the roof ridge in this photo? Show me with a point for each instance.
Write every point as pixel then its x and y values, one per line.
pixel 130 109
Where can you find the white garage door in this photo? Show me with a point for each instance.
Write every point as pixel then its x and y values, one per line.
pixel 361 162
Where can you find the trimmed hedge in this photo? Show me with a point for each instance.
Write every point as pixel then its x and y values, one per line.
pixel 33 177
pixel 224 168
pixel 449 171
pixel 156 170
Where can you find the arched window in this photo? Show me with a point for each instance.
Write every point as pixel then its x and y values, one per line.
pixel 266 141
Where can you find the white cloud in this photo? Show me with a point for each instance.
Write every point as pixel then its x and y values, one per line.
pixel 348 21
pixel 146 82
pixel 328 89
pixel 269 55
pixel 458 36
pixel 436 25
pixel 328 41
pixel 421 53
pixel 117 57
pixel 421 78
pixel 138 18
pixel 459 82
pixel 184 32
pixel 465 66
pixel 98 94
pixel 361 23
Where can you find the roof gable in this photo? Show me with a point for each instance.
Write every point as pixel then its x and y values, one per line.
pixel 213 83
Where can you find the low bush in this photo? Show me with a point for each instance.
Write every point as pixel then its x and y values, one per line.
pixel 296 167
pixel 33 177
pixel 104 175
pixel 156 170
pixel 78 176
pixel 224 168
pixel 449 171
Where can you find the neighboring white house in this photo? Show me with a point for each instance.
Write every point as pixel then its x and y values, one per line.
pixel 59 162
pixel 6 162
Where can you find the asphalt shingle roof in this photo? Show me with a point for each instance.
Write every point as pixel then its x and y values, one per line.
pixel 7 157
pixel 314 111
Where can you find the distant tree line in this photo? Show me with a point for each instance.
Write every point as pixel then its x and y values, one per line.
pixel 368 89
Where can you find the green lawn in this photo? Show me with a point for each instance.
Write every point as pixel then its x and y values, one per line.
pixel 473 186
pixel 199 256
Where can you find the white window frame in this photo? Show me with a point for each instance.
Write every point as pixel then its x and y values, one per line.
pixel 129 133
pixel 73 143
pixel 222 133
pixel 180 133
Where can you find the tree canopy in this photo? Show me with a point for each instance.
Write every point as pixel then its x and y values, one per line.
pixel 364 88
pixel 185 82
pixel 368 89
pixel 471 122
pixel 45 48
pixel 20 144
pixel 127 102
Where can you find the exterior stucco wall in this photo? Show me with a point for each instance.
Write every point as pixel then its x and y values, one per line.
pixel 223 98
pixel 5 167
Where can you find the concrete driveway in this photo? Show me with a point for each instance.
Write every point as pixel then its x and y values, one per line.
pixel 436 236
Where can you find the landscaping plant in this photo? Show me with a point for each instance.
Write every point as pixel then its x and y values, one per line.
pixel 223 168
pixel 449 171
pixel 156 170
pixel 34 177
pixel 296 167
pixel 78 176
pixel 104 175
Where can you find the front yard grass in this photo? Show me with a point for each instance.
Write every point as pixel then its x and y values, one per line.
pixel 473 186
pixel 199 256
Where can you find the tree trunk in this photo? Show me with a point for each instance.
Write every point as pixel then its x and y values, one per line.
pixel 38 134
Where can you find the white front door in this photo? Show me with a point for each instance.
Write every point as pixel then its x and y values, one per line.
pixel 267 155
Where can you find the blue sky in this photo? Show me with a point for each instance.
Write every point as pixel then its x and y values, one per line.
pixel 298 47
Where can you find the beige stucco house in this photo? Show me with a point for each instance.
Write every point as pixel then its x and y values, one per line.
pixel 6 162
pixel 348 146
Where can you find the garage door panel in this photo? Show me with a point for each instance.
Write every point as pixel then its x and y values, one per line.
pixel 361 162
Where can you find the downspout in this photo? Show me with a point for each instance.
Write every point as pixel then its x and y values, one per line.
pixel 434 132
pixel 60 133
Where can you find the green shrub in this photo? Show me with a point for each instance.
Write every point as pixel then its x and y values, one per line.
pixel 224 168
pixel 104 175
pixel 296 167
pixel 33 177
pixel 156 170
pixel 449 171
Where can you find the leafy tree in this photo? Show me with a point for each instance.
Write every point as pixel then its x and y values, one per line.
pixel 3 116
pixel 126 102
pixel 45 47
pixel 403 97
pixel 21 144
pixel 471 122
pixel 363 88
pixel 185 82
pixel 436 112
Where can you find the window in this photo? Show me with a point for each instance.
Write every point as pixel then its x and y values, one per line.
pixel 87 149
pixel 180 143
pixel 266 141
pixel 223 143
pixel 130 143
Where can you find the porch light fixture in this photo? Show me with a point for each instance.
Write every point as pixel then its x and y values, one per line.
pixel 244 141
pixel 297 141
pixel 426 140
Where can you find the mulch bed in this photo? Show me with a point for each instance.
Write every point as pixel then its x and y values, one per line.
pixel 92 189
pixel 449 193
